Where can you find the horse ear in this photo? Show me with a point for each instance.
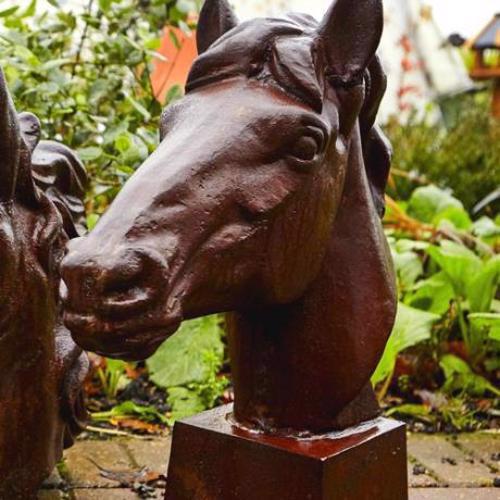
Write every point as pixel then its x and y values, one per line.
pixel 30 129
pixel 349 35
pixel 216 18
pixel 10 143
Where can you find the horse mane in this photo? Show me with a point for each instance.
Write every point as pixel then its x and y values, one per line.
pixel 282 53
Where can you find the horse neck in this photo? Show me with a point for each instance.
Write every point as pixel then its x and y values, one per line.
pixel 307 365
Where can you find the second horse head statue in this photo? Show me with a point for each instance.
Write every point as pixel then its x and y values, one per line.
pixel 264 201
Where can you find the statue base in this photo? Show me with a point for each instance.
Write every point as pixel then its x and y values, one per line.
pixel 213 459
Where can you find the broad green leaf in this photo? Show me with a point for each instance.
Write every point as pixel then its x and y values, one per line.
pixel 427 202
pixel 458 217
pixel 490 321
pixel 184 402
pixel 459 377
pixel 481 288
pixel 405 245
pixel 433 294
pixel 486 229
pixel 412 327
pixel 89 154
pixel 458 263
pixel 408 268
pixel 182 358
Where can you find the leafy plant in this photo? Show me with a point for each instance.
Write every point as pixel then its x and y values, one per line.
pixel 474 282
pixel 431 204
pixel 412 327
pixel 86 74
pixel 459 377
pixel 182 359
pixel 188 366
pixel 448 277
pixel 130 409
pixel 112 377
pixel 488 321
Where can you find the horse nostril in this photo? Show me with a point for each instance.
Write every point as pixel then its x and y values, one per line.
pixel 128 285
pixel 124 281
pixel 124 277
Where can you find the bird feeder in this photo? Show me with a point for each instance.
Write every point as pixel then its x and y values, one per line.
pixel 486 48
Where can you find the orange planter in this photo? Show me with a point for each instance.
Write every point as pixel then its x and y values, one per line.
pixel 179 58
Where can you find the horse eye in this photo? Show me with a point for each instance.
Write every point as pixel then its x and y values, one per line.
pixel 305 149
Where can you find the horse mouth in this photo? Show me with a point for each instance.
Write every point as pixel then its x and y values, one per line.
pixel 130 340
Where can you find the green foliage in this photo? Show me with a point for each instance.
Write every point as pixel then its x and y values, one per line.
pixel 464 158
pixel 448 277
pixel 453 411
pixel 474 282
pixel 188 364
pixel 182 359
pixel 112 377
pixel 130 409
pixel 431 204
pixel 412 327
pixel 459 377
pixel 87 77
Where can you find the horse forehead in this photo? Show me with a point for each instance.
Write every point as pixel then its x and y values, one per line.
pixel 237 50
pixel 238 101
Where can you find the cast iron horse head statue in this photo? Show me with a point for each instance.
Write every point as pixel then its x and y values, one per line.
pixel 41 406
pixel 263 200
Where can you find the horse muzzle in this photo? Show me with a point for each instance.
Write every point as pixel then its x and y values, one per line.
pixel 113 301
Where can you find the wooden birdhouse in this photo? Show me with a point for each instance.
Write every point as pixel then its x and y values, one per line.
pixel 486 48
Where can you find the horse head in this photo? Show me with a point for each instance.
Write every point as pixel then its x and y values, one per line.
pixel 235 207
pixel 42 368
pixel 265 191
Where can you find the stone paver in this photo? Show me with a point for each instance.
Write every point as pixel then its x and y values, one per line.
pixel 463 463
pixel 447 463
pixel 151 454
pixel 418 476
pixel 82 462
pixel 454 494
pixel 483 446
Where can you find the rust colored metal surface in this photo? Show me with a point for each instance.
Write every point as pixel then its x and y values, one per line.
pixel 264 201
pixel 213 459
pixel 41 407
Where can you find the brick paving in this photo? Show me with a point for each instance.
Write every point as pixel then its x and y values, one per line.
pixel 439 468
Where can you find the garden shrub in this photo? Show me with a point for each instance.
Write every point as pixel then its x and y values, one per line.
pixel 464 158
pixel 86 75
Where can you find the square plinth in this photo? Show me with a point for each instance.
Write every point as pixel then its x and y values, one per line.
pixel 213 459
